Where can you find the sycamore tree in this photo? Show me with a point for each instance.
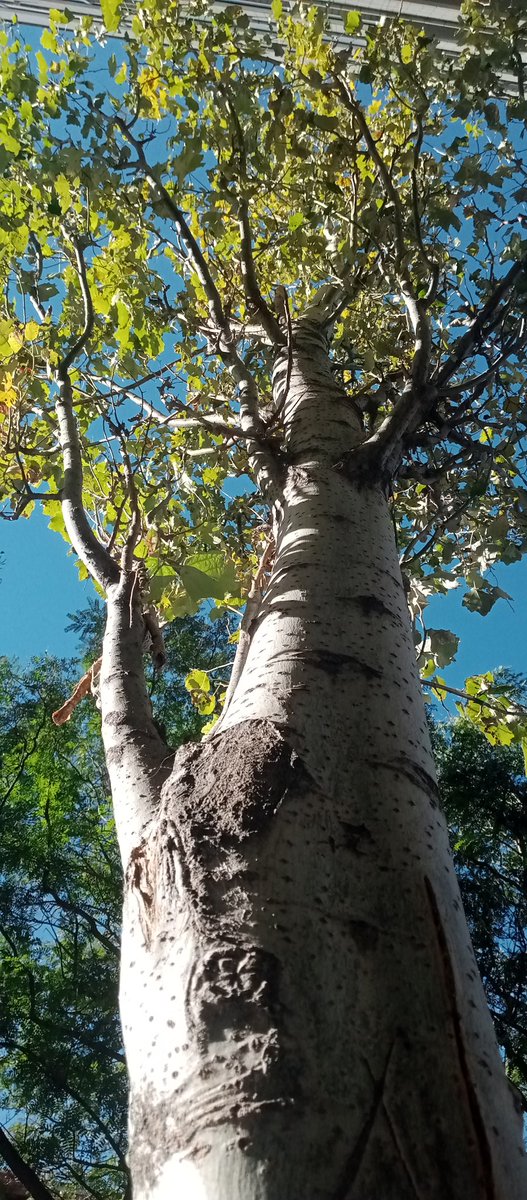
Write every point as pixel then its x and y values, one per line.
pixel 62 1077
pixel 302 264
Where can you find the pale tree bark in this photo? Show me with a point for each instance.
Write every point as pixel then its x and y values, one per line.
pixel 302 1013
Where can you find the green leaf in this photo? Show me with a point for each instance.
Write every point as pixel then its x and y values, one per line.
pixel 63 191
pixel 444 646
pixel 482 599
pixel 111 14
pixel 48 41
pixel 208 575
pixel 295 221
pixel 352 21
pixel 10 142
pixel 197 681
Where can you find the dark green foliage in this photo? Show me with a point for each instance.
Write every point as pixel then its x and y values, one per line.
pixel 62 1073
pixel 485 796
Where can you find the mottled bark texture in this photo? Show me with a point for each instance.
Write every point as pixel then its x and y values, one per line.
pixel 302 1013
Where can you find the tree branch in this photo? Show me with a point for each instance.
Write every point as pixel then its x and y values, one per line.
pixel 266 465
pixel 250 281
pixel 476 382
pixel 356 110
pixel 21 1169
pixel 193 421
pixel 193 248
pixel 468 343
pixel 80 343
pixel 90 550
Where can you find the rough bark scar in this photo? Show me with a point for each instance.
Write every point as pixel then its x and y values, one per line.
pixel 373 605
pixel 333 663
pixel 356 837
pixel 400 1150
pixel 472 1098
pixel 139 883
pixel 242 778
pixel 418 776
pixel 356 1158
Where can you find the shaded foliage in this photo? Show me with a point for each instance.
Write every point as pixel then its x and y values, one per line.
pixel 62 1074
pixel 484 791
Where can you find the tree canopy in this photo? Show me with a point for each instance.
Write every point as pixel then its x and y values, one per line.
pixel 175 203
pixel 158 238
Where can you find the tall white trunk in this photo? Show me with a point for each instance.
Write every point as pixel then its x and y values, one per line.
pixel 302 1013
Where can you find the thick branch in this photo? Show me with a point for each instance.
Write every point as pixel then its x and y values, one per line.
pixel 250 281
pixel 24 1173
pixel 80 343
pixel 91 552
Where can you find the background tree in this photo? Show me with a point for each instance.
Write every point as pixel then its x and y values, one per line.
pixel 62 1073
pixel 295 966
pixel 484 791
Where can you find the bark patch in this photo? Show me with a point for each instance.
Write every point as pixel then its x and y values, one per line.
pixel 478 1122
pixel 229 787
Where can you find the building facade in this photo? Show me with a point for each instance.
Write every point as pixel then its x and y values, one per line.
pixel 439 20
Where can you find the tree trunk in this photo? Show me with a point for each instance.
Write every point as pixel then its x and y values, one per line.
pixel 302 1013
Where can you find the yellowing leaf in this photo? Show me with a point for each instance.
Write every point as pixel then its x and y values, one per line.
pixel 352 22
pixel 407 54
pixel 486 434
pixel 153 90
pixel 111 14
pixel 197 681
pixel 63 191
pixel 8 393
pixel 15 341
pixel 48 40
pixel 31 331
pixel 277 9
pixel 60 16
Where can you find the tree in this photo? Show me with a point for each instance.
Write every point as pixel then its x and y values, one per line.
pixel 226 254
pixel 483 788
pixel 483 793
pixel 62 1070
